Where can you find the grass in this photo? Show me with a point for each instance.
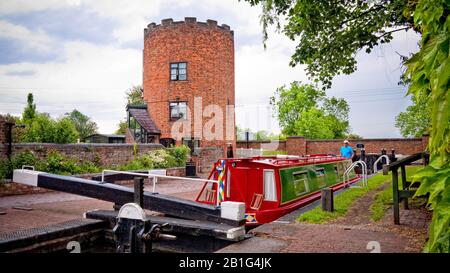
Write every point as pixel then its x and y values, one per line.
pixel 383 200
pixel 274 153
pixel 344 200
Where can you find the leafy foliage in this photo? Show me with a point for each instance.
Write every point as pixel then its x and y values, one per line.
pixel 46 130
pixel 40 127
pixel 122 127
pixel 29 113
pixel 23 158
pixel 330 33
pixel 55 162
pixel 84 125
pixel 353 136
pixel 159 159
pixel 299 112
pixel 428 72
pixel 416 120
pixel 134 95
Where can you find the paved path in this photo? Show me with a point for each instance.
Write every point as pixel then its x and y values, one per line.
pixel 351 233
pixel 55 207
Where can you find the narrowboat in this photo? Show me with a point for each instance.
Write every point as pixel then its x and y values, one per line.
pixel 272 186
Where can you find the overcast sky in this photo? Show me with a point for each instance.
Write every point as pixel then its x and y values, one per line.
pixel 85 54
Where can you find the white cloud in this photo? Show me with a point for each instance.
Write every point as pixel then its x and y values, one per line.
pixel 37 40
pixel 92 79
pixel 259 73
pixel 25 6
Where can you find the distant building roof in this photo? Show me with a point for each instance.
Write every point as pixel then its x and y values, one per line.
pixel 140 113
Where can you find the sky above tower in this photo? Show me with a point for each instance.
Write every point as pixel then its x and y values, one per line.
pixel 83 55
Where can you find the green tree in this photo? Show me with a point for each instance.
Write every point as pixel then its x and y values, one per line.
pixel 428 72
pixel 337 110
pixel 134 95
pixel 262 135
pixel 29 113
pixel 330 33
pixel 122 127
pixel 41 129
pixel 298 107
pixel 416 120
pixel 314 124
pixel 65 131
pixel 353 136
pixel 83 124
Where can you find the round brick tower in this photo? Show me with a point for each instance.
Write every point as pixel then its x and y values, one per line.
pixel 190 65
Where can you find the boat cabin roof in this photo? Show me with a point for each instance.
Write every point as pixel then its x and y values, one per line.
pixel 289 160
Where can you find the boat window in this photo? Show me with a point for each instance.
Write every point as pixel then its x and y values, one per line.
pixel 321 182
pixel 300 182
pixel 270 192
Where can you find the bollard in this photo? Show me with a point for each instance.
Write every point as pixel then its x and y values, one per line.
pixel 139 191
pixel 327 199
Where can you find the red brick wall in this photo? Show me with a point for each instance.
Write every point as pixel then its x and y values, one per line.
pixel 301 146
pixel 256 144
pixel 400 145
pixel 206 158
pixel 107 154
pixel 296 145
pixel 208 50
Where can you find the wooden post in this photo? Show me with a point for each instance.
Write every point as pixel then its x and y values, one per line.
pixel 404 186
pixel 139 191
pixel 327 199
pixel 395 196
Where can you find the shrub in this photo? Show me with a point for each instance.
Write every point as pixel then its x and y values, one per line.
pixel 17 161
pixel 159 159
pixel 180 154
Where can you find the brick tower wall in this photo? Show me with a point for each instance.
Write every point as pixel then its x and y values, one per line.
pixel 208 50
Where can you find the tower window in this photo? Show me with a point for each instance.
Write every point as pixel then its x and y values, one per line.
pixel 178 110
pixel 178 71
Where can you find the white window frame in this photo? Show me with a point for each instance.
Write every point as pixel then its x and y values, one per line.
pixel 273 187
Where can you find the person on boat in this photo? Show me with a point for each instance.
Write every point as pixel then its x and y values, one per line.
pixel 347 150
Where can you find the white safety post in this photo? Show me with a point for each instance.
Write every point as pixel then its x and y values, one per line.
pixel 375 170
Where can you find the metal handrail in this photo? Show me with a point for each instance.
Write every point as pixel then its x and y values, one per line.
pixel 155 177
pixel 375 169
pixel 351 167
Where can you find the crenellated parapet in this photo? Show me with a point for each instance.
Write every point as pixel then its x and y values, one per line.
pixel 192 21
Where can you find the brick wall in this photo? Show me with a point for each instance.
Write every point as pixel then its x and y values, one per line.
pixel 300 146
pixel 106 154
pixel 265 145
pixel 206 158
pixel 208 50
pixel 400 145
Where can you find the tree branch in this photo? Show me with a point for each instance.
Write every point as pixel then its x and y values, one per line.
pixel 392 31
